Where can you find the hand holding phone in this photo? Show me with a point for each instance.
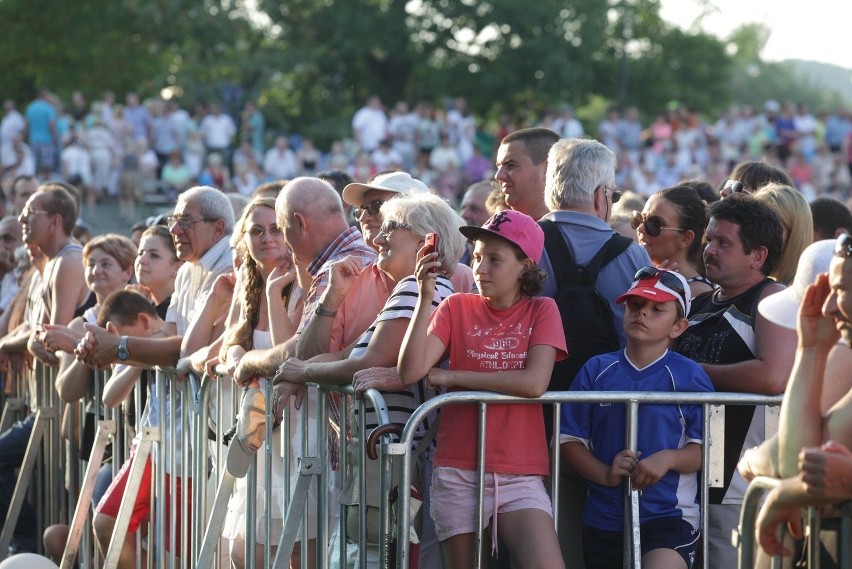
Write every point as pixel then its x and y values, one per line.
pixel 432 246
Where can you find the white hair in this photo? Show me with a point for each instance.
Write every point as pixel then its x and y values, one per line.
pixel 575 169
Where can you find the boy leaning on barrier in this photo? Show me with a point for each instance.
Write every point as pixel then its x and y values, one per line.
pixel 128 313
pixel 664 468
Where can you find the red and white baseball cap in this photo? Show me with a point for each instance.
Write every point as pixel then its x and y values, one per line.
pixel 513 226
pixel 660 285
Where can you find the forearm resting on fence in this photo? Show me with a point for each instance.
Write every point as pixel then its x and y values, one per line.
pixel 761 460
pixel 119 386
pixel 531 381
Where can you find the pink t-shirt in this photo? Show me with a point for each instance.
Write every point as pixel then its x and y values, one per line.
pixel 363 302
pixel 480 338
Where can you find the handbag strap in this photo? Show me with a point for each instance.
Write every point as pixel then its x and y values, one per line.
pixel 427 439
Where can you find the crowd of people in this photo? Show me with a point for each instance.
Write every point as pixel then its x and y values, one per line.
pixel 160 147
pixel 325 277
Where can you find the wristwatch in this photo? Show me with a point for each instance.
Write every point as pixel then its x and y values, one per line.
pixel 322 311
pixel 123 354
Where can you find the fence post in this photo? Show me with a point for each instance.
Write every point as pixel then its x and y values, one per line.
pixel 632 538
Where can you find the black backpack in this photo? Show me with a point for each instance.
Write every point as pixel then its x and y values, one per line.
pixel 586 315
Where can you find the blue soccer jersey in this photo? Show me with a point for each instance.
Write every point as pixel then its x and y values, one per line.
pixel 601 428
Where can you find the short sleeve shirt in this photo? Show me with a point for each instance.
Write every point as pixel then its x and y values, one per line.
pixel 483 339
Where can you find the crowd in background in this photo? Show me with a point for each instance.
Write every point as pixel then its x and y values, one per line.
pixel 160 147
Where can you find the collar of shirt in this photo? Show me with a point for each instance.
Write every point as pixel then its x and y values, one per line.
pixel 578 218
pixel 210 260
pixel 345 239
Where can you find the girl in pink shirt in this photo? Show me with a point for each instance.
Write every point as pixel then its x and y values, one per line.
pixel 506 340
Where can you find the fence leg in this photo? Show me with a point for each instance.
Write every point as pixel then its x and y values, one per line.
pixel 309 468
pixel 119 534
pixel 12 405
pixel 207 554
pixel 81 513
pixel 25 475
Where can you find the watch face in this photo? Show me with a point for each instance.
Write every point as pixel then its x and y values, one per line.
pixel 122 349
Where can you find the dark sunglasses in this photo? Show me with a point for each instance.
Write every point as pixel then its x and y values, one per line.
pixel 653 224
pixel 843 246
pixel 616 194
pixel 372 208
pixel 735 186
pixel 666 277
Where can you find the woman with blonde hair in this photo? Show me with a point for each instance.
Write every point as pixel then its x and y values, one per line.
pixel 269 309
pixel 797 223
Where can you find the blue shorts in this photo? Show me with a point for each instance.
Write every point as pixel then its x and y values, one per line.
pixel 605 549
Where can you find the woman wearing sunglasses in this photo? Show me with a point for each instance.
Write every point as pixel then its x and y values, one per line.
pixel 670 228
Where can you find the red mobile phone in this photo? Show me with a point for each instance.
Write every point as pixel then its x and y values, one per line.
pixel 432 245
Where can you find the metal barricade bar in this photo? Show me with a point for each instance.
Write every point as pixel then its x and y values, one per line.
pixel 629 399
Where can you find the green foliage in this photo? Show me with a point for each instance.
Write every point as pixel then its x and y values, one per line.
pixel 88 45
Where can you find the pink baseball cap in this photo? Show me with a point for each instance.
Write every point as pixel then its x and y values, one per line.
pixel 513 226
pixel 660 285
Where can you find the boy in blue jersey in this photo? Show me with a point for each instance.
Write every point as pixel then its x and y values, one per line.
pixel 665 467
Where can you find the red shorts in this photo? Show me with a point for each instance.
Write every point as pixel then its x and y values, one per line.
pixel 111 500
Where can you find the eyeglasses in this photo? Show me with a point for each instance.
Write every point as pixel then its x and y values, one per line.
pixel 668 279
pixel 653 224
pixel 372 208
pixel 843 246
pixel 257 232
pixel 735 186
pixel 27 213
pixel 616 194
pixel 389 226
pixel 185 222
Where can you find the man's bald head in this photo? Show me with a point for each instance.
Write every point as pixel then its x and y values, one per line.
pixel 311 197
pixel 310 212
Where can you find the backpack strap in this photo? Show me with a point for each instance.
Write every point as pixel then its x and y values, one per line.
pixel 560 255
pixel 614 247
pixel 563 262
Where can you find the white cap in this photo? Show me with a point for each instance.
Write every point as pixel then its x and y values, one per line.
pixel 396 182
pixel 782 308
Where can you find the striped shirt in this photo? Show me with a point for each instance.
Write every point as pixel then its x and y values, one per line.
pixel 401 304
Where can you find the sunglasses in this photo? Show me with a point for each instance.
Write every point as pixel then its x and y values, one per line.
pixel 616 194
pixel 843 246
pixel 389 226
pixel 653 224
pixel 666 277
pixel 372 208
pixel 735 186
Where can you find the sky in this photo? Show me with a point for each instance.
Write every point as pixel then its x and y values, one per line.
pixel 817 30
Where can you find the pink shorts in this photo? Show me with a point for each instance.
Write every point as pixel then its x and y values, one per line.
pixel 453 498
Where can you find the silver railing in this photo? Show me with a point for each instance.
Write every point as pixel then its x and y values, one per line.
pixel 746 540
pixel 713 450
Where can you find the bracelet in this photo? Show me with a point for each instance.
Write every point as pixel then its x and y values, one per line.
pixel 320 311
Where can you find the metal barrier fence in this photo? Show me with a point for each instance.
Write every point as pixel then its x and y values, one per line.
pixel 746 539
pixel 713 450
pixel 180 443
